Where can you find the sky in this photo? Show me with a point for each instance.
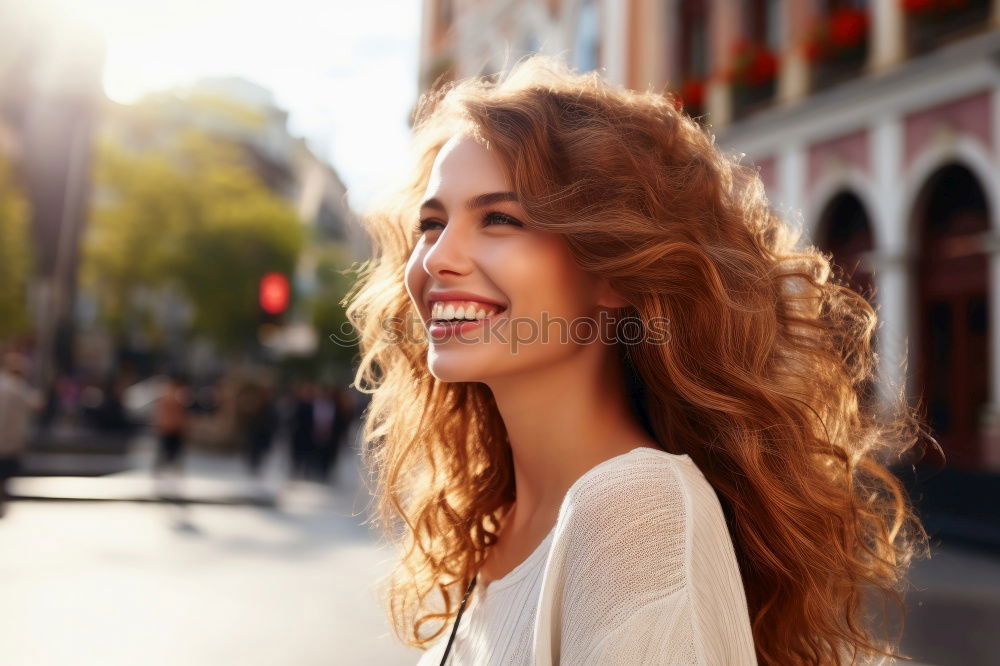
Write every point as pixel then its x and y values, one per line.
pixel 346 70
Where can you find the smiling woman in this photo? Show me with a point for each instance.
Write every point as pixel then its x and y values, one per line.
pixel 471 236
pixel 717 496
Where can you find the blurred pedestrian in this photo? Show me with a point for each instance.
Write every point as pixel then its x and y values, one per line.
pixel 261 424
pixel 302 429
pixel 342 419
pixel 324 417
pixel 17 402
pixel 171 423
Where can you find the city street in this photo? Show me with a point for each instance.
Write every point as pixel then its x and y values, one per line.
pixel 215 265
pixel 108 583
pixel 287 574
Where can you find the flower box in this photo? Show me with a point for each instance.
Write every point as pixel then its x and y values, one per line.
pixel 752 74
pixel 837 46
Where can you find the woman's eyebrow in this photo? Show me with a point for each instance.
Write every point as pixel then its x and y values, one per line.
pixel 478 201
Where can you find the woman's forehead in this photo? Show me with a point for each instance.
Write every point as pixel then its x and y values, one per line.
pixel 464 164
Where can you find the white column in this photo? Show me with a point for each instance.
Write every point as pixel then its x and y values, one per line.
pixel 791 176
pixel 793 77
pixel 614 38
pixel 887 34
pixel 896 344
pixel 892 259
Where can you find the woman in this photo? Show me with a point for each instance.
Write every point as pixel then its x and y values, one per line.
pixel 617 415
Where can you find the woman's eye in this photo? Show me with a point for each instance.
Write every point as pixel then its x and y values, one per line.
pixel 502 218
pixel 424 225
pixel 490 219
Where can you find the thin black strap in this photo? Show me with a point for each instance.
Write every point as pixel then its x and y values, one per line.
pixel 458 617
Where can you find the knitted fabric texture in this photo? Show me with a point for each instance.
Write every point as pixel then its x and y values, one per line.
pixel 639 569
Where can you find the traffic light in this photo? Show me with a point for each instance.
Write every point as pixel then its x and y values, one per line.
pixel 273 296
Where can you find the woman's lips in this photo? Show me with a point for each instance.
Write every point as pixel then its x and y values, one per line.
pixel 445 329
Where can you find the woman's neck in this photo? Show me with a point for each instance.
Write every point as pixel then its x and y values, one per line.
pixel 561 421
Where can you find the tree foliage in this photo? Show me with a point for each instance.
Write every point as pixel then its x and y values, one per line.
pixel 334 280
pixel 189 215
pixel 15 256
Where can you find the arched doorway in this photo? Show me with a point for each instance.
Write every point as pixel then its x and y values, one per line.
pixel 952 283
pixel 845 231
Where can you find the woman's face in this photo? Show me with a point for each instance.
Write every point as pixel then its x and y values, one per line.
pixel 517 289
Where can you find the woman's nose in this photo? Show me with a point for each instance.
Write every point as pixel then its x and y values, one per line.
pixel 450 253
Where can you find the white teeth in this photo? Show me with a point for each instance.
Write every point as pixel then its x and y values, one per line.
pixel 464 311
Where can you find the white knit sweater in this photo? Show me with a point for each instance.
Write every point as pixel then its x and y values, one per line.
pixel 639 569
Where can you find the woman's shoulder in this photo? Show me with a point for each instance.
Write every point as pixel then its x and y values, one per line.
pixel 645 503
pixel 643 478
pixel 642 549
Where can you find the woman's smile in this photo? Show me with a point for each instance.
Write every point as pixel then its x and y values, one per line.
pixel 454 312
pixel 478 267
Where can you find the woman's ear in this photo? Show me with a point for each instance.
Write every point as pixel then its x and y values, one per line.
pixel 608 297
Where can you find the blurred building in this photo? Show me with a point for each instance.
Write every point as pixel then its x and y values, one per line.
pixel 293 171
pixel 878 122
pixel 247 115
pixel 50 95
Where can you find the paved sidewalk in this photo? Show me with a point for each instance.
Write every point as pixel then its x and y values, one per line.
pixel 125 583
pixel 272 539
pixel 208 478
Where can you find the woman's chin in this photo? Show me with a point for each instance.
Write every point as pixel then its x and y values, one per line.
pixel 454 370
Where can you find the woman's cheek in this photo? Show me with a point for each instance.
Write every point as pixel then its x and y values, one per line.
pixel 415 277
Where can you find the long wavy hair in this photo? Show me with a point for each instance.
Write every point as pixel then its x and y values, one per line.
pixel 766 383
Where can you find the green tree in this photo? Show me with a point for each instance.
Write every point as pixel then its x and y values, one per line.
pixel 189 215
pixel 15 256
pixel 334 279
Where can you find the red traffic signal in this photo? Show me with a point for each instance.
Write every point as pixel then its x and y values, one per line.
pixel 274 293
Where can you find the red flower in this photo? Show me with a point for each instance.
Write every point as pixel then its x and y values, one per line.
pixel 752 64
pixel 764 67
pixel 848 27
pixel 844 30
pixel 693 93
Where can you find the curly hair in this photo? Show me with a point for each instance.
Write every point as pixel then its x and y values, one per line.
pixel 766 382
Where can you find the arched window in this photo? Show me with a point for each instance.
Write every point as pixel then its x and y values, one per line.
pixel 952 286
